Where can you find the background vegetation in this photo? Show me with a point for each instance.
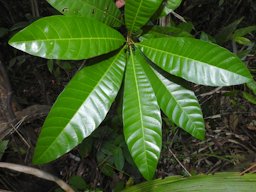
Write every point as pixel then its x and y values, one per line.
pixel 102 161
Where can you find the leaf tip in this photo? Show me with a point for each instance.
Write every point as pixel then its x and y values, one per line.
pixel 147 176
pixel 11 42
pixel 200 134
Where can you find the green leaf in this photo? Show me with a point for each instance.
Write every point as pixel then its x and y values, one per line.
pixel 173 4
pixel 141 117
pixel 169 6
pixel 119 158
pixel 196 61
pixel 107 169
pixel 252 86
pixel 50 65
pixel 138 12
pixel 108 148
pixel 206 37
pixel 3 147
pixel 80 108
pixel 78 183
pixel 178 104
pixel 226 32
pixel 67 38
pixel 188 27
pixel 151 34
pixel 249 97
pixel 85 147
pixel 226 181
pixel 172 31
pixel 160 32
pixel 243 41
pixel 104 11
pixel 244 31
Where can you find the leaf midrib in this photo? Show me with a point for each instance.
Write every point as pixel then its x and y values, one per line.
pixel 135 18
pixel 110 66
pixel 180 56
pixel 73 39
pixel 139 103
pixel 176 101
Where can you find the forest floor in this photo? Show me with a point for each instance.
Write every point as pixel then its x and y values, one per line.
pixel 35 83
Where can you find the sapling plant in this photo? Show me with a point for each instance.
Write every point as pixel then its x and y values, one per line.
pixel 134 58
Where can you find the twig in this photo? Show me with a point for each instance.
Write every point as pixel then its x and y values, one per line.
pixel 211 92
pixel 37 173
pixel 82 65
pixel 251 169
pixel 179 162
pixel 178 16
pixel 213 116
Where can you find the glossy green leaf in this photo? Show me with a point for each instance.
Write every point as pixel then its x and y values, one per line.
pixel 152 34
pixel 196 61
pixel 176 31
pixel 186 26
pixel 80 108
pixel 67 37
pixel 179 104
pixel 138 12
pixel 141 117
pixel 104 11
pixel 226 181
pixel 173 4
pixel 160 32
pixel 169 6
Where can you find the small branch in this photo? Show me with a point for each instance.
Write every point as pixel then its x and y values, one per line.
pixel 178 16
pixel 179 162
pixel 213 116
pixel 211 92
pixel 251 169
pixel 37 173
